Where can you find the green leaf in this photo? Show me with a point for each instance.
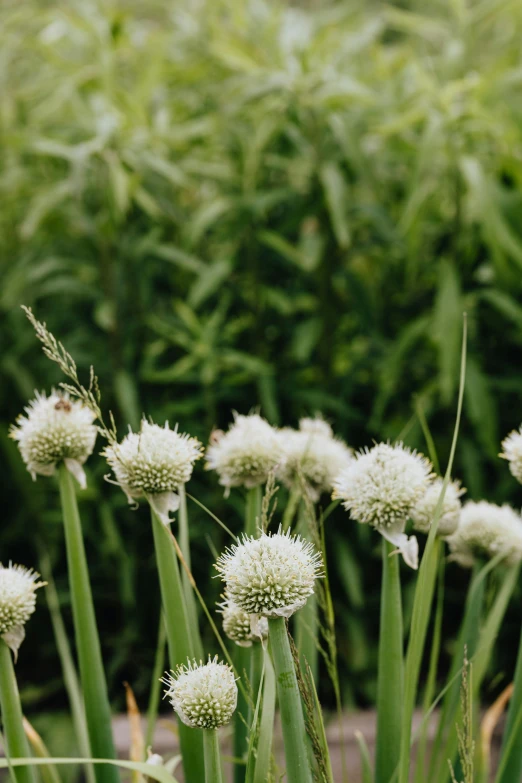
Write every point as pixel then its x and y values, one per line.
pixel 151 770
pixel 337 199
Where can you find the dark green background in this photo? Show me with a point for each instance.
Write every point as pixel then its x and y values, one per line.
pixel 246 204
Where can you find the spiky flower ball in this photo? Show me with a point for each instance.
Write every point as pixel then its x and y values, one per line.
pixel 512 451
pixel 486 530
pixel 272 575
pixel 238 625
pixel 424 512
pixel 55 429
pixel 313 457
pixel 381 487
pixel 153 463
pixel 203 695
pixel 245 455
pixel 18 587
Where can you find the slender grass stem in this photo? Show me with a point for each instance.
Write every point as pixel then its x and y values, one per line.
pixel 155 685
pixel 294 732
pixel 12 719
pixel 511 751
pixel 178 638
pixel 391 676
pixel 213 773
pixel 92 676
pixel 190 599
pixel 253 511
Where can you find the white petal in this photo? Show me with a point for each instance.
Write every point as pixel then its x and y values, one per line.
pixel 14 639
pixel 162 503
pixel 408 546
pixel 74 467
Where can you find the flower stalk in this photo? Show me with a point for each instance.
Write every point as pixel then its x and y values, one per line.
pixel 190 599
pixel 178 637
pixel 298 768
pixel 12 719
pixel 390 685
pixel 96 701
pixel 213 772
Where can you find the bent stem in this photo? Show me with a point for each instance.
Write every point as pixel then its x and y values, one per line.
pixel 178 638
pixel 213 772
pixel 16 745
pixel 92 675
pixel 290 706
pixel 391 674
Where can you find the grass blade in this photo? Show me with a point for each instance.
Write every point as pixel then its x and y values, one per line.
pixel 155 685
pixel 49 774
pixel 16 745
pixel 366 765
pixel 184 542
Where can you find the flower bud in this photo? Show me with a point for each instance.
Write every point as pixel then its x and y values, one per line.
pixel 203 695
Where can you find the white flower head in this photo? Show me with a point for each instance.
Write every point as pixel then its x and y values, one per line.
pixel 18 587
pixel 55 429
pixel 424 512
pixel 270 576
pixel 313 457
pixel 512 451
pixel 203 695
pixel 381 487
pixel 240 627
pixel 153 463
pixel 245 455
pixel 486 530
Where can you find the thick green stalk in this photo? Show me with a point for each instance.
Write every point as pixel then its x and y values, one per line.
pixel 306 628
pixel 213 773
pixel 190 598
pixel 16 743
pixel 178 638
pixel 92 676
pixel 391 675
pixel 298 768
pixel 256 669
pixel 511 752
pixel 242 713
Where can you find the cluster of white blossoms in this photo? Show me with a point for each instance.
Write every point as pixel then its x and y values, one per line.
pixel 240 627
pixel 153 463
pixel 423 513
pixel 512 451
pixel 381 487
pixel 203 695
pixel 18 587
pixel 486 530
pixel 245 455
pixel 313 457
pixel 55 429
pixel 270 576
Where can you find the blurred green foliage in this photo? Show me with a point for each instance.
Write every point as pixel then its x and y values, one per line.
pixel 223 204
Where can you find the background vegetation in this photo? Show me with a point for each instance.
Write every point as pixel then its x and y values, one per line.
pixel 228 204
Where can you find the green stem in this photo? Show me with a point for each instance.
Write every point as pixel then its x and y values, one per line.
pixel 178 638
pixel 291 507
pixel 391 674
pixel 306 627
pixel 155 685
pixel 256 668
pixel 92 676
pixel 190 599
pixel 242 713
pixel 213 772
pixel 511 752
pixel 292 719
pixel 16 745
pixel 253 511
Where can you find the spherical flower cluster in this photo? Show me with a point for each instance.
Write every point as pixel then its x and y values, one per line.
pixel 55 429
pixel 246 454
pixel 313 457
pixel 238 625
pixel 272 575
pixel 153 463
pixel 203 695
pixel 486 530
pixel 424 512
pixel 18 587
pixel 512 451
pixel 381 487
